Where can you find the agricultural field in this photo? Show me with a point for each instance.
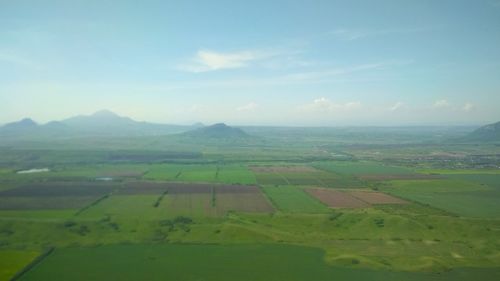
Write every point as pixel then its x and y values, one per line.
pixel 169 217
pixel 215 262
pixel 231 174
pixel 460 197
pixel 53 195
pixel 353 198
pixel 293 199
pixel 293 175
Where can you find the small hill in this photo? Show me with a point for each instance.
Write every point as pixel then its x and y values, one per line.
pixel 24 124
pixel 488 133
pixel 217 131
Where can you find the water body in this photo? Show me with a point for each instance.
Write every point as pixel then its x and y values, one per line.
pixel 104 179
pixel 31 171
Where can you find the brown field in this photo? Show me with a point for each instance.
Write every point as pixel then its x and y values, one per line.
pixel 399 177
pixel 188 204
pixel 336 199
pixel 376 197
pixel 187 188
pixel 241 199
pixel 44 203
pixel 142 187
pixel 52 189
pixel 238 189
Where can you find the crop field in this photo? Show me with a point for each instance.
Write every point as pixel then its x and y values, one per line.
pixel 460 197
pixel 241 199
pixel 154 200
pixel 293 175
pixel 216 262
pixel 231 174
pixel 353 198
pixel 271 178
pixel 293 199
pixel 362 168
pixel 399 177
pixel 337 199
pixel 53 195
pixel 235 174
pixel 12 261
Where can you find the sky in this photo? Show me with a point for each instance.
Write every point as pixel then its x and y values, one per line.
pixel 259 62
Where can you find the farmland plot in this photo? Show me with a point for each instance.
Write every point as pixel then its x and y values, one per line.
pixel 241 199
pixel 336 199
pixel 294 200
pixel 58 195
pixel 376 197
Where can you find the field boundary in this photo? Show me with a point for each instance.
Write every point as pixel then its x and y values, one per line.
pixel 160 198
pixel 97 201
pixel 32 264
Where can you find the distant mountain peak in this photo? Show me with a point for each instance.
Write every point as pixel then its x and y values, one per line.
pixel 27 121
pixel 218 131
pixel 104 113
pixel 23 123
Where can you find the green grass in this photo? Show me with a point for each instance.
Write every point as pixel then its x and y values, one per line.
pixel 37 214
pixel 12 261
pixel 235 174
pixel 255 262
pixel 130 207
pixel 461 171
pixel 293 199
pixel 456 196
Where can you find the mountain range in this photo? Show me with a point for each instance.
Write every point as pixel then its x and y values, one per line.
pixel 101 123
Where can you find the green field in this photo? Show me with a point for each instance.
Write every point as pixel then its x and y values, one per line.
pixel 163 219
pixel 216 262
pixel 293 199
pixel 12 261
pixel 456 196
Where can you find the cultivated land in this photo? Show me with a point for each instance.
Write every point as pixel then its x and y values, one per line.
pixel 289 206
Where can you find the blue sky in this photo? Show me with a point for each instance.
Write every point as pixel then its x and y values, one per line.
pixel 396 62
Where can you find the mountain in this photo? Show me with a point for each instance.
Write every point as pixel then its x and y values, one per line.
pixel 99 120
pixel 488 133
pixel 217 131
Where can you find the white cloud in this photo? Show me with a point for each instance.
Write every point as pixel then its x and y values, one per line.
pixel 329 73
pixel 441 104
pixel 468 107
pixel 396 106
pixel 326 105
pixel 252 106
pixel 205 60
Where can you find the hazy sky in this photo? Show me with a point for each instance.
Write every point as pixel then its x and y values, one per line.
pixel 394 62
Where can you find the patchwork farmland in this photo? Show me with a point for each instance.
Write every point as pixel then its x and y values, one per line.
pixel 351 218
